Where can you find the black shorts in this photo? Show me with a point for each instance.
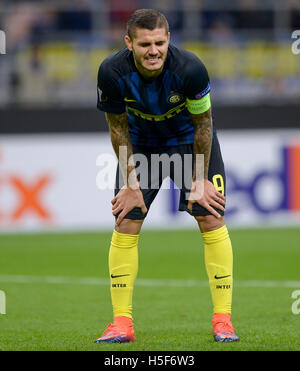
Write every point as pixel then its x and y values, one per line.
pixel 152 173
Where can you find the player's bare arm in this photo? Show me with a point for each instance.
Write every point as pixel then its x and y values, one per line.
pixel 130 196
pixel 203 191
pixel 202 138
pixel 119 135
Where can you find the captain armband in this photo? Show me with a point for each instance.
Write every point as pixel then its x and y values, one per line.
pixel 196 106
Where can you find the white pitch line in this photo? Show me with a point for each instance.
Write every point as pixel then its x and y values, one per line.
pixel 139 282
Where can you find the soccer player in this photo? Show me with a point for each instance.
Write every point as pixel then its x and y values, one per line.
pixel 156 98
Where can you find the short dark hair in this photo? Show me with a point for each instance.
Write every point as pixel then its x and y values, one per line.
pixel 149 19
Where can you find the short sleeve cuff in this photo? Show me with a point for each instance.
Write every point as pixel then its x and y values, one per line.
pixel 117 108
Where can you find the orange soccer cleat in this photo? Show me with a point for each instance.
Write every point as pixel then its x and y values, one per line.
pixel 121 331
pixel 223 330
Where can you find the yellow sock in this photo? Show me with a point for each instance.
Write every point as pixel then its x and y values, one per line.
pixel 218 263
pixel 123 267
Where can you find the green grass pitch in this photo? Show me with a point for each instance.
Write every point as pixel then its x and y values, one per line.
pixel 57 291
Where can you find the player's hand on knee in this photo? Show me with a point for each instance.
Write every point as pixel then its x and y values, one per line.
pixel 126 200
pixel 205 194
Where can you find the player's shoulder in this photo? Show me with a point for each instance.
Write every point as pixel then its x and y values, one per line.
pixel 117 63
pixel 184 62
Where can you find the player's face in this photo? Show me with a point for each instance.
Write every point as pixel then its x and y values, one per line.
pixel 150 50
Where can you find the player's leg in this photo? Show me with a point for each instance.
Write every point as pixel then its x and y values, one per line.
pixel 123 268
pixel 219 268
pixel 217 251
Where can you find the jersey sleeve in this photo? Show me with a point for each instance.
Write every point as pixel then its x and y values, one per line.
pixel 197 87
pixel 108 91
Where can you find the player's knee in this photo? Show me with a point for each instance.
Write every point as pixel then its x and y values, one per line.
pixel 129 226
pixel 209 222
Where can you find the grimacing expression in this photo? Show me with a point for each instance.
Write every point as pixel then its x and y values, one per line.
pixel 150 48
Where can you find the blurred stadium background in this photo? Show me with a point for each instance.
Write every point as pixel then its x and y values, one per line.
pixel 51 137
pixel 48 86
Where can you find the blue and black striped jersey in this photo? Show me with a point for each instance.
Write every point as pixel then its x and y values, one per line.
pixel 156 110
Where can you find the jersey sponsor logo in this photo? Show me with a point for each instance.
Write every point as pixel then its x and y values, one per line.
pixel 171 113
pixel 129 100
pixel 203 93
pixel 175 98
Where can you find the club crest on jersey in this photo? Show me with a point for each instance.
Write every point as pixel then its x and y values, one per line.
pixel 175 98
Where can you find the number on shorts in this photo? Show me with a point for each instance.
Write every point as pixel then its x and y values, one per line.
pixel 219 183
